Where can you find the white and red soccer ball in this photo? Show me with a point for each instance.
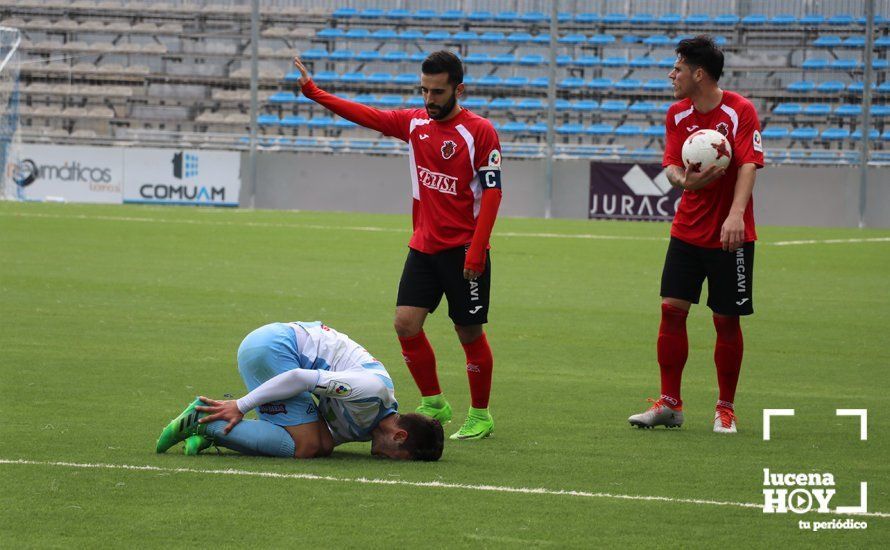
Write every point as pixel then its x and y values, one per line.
pixel 704 148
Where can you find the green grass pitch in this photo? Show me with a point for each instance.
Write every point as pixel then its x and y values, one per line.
pixel 114 317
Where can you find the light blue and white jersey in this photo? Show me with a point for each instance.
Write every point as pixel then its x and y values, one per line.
pixel 354 390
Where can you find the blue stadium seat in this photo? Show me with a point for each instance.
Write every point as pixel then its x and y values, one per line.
pixel 879 64
pixel 884 88
pixel 323 76
pixel 835 134
pixel 844 64
pixel 571 82
pixel 628 130
pixel 658 40
pixel 670 19
pixel 880 110
pixel 479 16
pixel 537 128
pixel 294 121
pixel 585 105
pixel 452 15
pixel 726 19
pixel 629 84
pixel 599 83
pixel 642 19
pixel 366 99
pixel 367 55
pixel 570 128
pixel 344 13
pixel 613 106
pixel 601 129
pixel 532 59
pixel 476 57
pixel 788 109
pixel 783 19
pixel 543 38
pixel 572 39
pixel 492 36
pixel 841 19
pixel 330 33
pixel 886 135
pixel 562 104
pixel 854 42
pixel 343 124
pixel 698 19
pixel 489 80
pixel 475 103
pixel 811 20
pixel 516 81
pixel 882 42
pixel 644 107
pixel 410 34
pixel 540 82
pixel 311 55
pixel 514 127
pixel 357 34
pixel 656 131
pixel 817 109
pixel 378 78
pixel 631 39
pixel 804 133
pixel 384 34
pixel 530 104
pixel 667 62
pixel 588 61
pixel 873 134
pixel 563 60
pixel 656 84
pixel 398 14
pixel 406 78
pixel 615 19
pixel 502 59
pixel 267 120
pixel 601 39
pixel 502 103
pixel 802 86
pixel 830 87
pixel 828 41
pixel 815 64
pixel 615 61
pixel 437 36
pixel 587 17
pixel 506 16
pixel 283 97
pixel 859 87
pixel 519 38
pixel 465 36
pixel 754 19
pixel 397 56
pixel 320 122
pixel 354 77
pixel 341 55
pixel 534 17
pixel 371 13
pixel 391 101
pixel 775 132
pixel 304 141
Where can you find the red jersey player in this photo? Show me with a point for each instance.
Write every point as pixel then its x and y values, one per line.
pixel 712 236
pixel 454 161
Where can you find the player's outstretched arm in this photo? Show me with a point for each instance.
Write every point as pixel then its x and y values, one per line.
pixel 381 121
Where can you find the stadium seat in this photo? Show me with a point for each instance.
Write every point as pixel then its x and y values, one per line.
pixel 437 36
pixel 562 60
pixel 859 87
pixel 378 78
pixel 655 131
pixel 345 13
pixel 697 19
pixel 384 35
pixel 367 55
pixel 804 133
pixel 343 124
pixel 879 64
pixel 802 86
pixel 587 17
pixel 628 84
pixel 656 84
pixel 644 107
pixel 601 40
pixel 817 109
pixel 352 77
pixel 476 57
pixel 519 38
pixel 323 76
pixel 882 42
pixel 311 55
pixel 841 19
pixel 601 129
pixel 815 64
pixel 615 19
pixel 489 80
pixel 480 16
pixel 884 88
pixel 283 97
pixel 670 19
pixel 873 135
pixel 502 103
pixel 475 103
pixel 534 17
pixel 585 105
pixel 410 34
pixel 537 128
pixel 330 33
pixel 854 42
pixel 783 20
pixel 572 39
pixel 844 64
pixel 492 37
pixel 835 134
pixel 563 104
pixel 614 61
pixel 848 110
pixel 886 135
pixel 667 62
pixel 516 81
pixel 658 40
pixel 451 15
pixel 371 13
pixel 341 55
pixel 391 101
pixel 543 38
pixel 465 36
pixel 811 20
pixel 788 109
pixel 754 19
pixel 366 99
pixel 588 61
pixel 399 14
pixel 831 41
pixel 726 19
pixel 628 130
pixel 320 122
pixel 540 82
pixel 880 110
pixel 614 105
pixel 599 83
pixel 830 87
pixel 357 34
pixel 502 59
pixel 397 56
pixel 532 59
pixel 571 82
pixel 405 78
pixel 775 132
pixel 506 17
pixel 641 62
pixel 267 120
pixel 529 104
pixel 570 128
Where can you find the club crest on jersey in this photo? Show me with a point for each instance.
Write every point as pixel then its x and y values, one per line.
pixel 723 128
pixel 448 149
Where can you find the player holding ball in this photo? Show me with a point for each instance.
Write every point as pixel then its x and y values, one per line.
pixel 712 236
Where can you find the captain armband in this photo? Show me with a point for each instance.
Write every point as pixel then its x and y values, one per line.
pixel 490 177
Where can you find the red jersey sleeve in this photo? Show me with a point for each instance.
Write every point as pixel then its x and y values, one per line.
pixel 487 163
pixel 748 142
pixel 673 143
pixel 389 123
pixel 488 147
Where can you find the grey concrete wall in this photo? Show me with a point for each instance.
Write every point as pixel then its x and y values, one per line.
pixel 784 195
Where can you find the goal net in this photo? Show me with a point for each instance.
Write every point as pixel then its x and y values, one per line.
pixel 10 144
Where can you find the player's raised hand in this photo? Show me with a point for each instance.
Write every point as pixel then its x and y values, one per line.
pixel 220 410
pixel 694 181
pixel 304 74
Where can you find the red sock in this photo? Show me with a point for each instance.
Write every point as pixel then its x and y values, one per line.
pixel 421 361
pixel 479 366
pixel 728 355
pixel 673 349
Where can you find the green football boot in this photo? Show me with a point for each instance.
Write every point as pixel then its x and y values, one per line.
pixel 436 407
pixel 478 425
pixel 181 427
pixel 194 444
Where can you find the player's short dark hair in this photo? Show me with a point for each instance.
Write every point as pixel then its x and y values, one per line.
pixel 702 52
pixel 426 439
pixel 444 61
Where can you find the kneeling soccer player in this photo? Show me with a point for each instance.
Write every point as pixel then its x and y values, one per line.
pixel 283 366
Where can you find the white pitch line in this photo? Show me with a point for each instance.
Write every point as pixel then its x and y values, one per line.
pixel 374 481
pixel 372 229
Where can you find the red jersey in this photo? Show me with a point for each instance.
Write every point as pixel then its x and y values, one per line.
pixel 701 213
pixel 444 162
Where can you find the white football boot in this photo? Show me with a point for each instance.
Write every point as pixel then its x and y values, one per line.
pixel 724 421
pixel 659 414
